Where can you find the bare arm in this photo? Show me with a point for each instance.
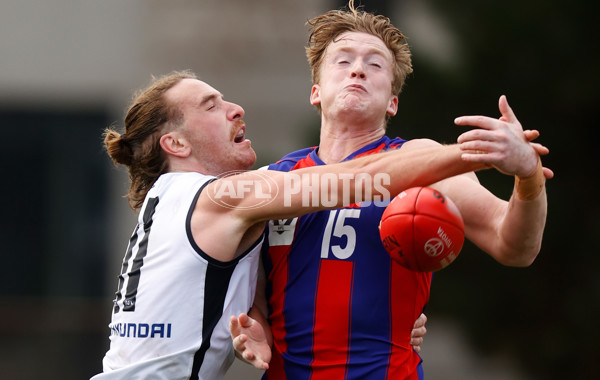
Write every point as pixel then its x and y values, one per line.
pixel 510 231
pixel 230 212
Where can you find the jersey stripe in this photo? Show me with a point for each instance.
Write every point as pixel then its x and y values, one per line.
pixel 371 151
pixel 132 243
pixel 304 163
pixel 215 290
pixel 138 261
pixel 276 367
pixel 396 312
pixel 350 316
pixel 331 334
pixel 279 257
pixel 401 319
pixel 180 293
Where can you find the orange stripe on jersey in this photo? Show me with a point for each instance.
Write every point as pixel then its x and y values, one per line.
pixel 276 365
pixel 331 334
pixel 279 257
pixel 374 150
pixel 304 163
pixel 403 360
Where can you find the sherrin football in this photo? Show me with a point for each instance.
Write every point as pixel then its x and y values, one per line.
pixel 422 229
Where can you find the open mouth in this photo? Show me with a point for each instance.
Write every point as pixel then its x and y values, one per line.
pixel 240 136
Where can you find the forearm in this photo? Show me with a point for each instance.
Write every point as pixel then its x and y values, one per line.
pixel 525 219
pixel 373 177
pixel 421 167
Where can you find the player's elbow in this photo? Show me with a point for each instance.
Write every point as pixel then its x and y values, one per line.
pixel 522 257
pixel 521 262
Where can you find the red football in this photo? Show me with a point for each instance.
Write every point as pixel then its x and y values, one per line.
pixel 422 230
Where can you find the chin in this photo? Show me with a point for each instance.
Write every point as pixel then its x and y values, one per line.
pixel 249 161
pixel 250 164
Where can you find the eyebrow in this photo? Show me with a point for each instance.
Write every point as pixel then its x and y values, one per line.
pixel 372 50
pixel 208 98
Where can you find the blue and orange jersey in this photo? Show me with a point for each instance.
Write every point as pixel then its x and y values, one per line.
pixel 339 307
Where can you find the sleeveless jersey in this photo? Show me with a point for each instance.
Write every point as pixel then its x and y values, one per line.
pixel 170 318
pixel 340 308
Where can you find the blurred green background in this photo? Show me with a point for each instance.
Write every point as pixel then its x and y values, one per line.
pixel 64 223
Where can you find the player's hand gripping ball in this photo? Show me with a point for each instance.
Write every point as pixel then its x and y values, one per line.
pixel 422 230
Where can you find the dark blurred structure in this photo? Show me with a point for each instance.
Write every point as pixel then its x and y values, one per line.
pixel 54 231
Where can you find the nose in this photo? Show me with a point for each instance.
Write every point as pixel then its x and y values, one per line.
pixel 236 111
pixel 358 69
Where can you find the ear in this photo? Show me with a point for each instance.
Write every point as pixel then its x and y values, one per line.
pixel 175 145
pixel 315 95
pixel 392 108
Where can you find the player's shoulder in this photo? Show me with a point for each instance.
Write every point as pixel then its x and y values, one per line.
pixel 178 185
pixel 291 159
pixel 181 179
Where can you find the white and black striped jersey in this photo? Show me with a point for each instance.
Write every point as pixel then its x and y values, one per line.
pixel 170 318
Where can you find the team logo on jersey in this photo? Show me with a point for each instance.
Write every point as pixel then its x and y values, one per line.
pixel 129 302
pixel 141 330
pixel 281 231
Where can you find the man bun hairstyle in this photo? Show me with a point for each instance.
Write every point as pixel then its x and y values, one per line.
pixel 117 148
pixel 149 117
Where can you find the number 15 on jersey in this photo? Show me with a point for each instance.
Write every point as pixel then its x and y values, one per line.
pixel 338 227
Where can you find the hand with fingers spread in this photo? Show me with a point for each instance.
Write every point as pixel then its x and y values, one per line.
pixel 250 341
pixel 502 143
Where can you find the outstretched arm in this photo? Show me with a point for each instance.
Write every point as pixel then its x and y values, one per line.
pixel 227 207
pixel 511 232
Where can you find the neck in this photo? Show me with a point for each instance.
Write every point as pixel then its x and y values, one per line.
pixel 339 141
pixel 191 165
